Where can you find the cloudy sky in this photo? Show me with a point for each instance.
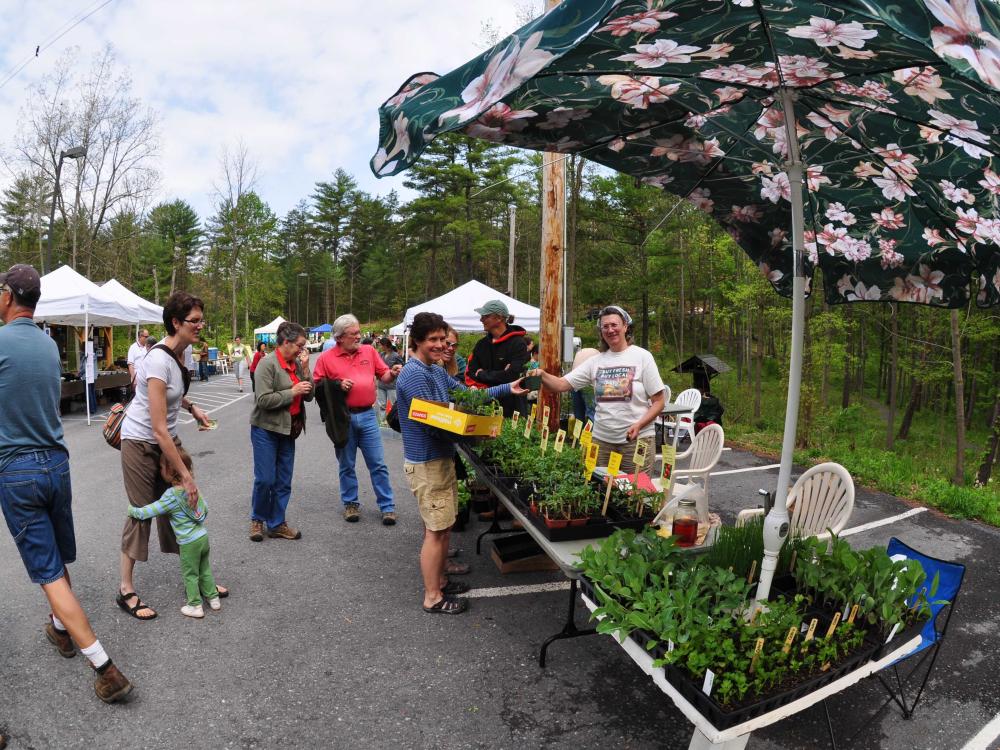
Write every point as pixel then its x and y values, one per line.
pixel 299 81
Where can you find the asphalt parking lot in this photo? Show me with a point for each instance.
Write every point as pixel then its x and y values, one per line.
pixel 323 642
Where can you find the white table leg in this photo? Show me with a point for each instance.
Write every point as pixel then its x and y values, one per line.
pixel 700 742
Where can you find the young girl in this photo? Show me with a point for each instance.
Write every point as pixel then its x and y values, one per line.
pixel 189 528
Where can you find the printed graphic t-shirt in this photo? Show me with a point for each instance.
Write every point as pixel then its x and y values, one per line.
pixel 623 384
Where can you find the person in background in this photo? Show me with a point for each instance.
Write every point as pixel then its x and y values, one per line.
pixel 35 477
pixel 92 387
pixel 710 411
pixel 583 399
pixel 499 356
pixel 429 459
pixel 386 392
pixel 136 352
pixel 329 344
pixel 283 382
pixel 202 355
pixel 239 353
pixel 451 360
pixel 627 387
pixel 257 357
pixel 357 366
pixel 188 357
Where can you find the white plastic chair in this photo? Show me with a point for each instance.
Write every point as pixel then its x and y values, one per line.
pixel 685 422
pixel 820 501
pixel 704 452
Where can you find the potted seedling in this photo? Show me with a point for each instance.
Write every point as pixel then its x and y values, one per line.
pixel 530 382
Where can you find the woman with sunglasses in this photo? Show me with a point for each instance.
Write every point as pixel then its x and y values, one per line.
pixel 628 390
pixel 149 430
pixel 451 360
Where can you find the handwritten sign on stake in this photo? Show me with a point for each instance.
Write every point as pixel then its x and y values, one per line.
pixel 577 431
pixel 515 418
pixel 545 437
pixel 560 439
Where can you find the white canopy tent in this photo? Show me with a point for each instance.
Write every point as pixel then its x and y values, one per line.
pixel 270 329
pixel 148 311
pixel 458 307
pixel 70 299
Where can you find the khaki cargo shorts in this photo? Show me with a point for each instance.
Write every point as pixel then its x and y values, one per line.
pixel 436 489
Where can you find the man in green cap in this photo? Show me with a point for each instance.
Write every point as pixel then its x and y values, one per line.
pixel 499 356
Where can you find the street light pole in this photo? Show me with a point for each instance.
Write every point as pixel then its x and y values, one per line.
pixel 71 153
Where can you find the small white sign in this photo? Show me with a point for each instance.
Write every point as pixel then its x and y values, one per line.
pixel 89 354
pixel 706 688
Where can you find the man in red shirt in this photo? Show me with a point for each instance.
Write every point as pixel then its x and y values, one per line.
pixel 356 366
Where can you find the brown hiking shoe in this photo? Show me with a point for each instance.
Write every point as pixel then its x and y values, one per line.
pixel 388 518
pixel 284 532
pixel 61 640
pixel 256 531
pixel 111 685
pixel 352 513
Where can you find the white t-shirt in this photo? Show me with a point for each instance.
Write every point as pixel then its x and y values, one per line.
pixel 136 353
pixel 623 384
pixel 158 365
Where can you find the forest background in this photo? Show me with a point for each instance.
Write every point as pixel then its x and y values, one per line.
pixel 906 397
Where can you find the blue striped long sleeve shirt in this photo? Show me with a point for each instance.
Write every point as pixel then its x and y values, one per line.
pixel 431 383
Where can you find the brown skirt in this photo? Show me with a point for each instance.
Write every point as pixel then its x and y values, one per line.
pixel 144 485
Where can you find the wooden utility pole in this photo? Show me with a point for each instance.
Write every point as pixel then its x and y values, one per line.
pixel 553 241
pixel 510 250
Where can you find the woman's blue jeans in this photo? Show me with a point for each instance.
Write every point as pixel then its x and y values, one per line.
pixel 273 462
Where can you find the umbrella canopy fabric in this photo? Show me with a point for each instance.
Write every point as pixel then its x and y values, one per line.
pixel 270 328
pixel 325 328
pixel 148 312
pixel 708 364
pixel 71 299
pixel 458 308
pixel 895 108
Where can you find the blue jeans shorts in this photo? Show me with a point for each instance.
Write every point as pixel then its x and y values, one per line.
pixel 36 499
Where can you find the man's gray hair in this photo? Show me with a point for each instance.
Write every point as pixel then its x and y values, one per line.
pixel 341 324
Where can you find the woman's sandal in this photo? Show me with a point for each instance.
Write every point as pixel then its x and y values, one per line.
pixel 453 568
pixel 454 587
pixel 448 606
pixel 134 609
pixel 223 592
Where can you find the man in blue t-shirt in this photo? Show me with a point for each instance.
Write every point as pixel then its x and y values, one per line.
pixel 35 492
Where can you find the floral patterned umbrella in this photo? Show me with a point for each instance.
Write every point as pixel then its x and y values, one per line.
pixel 896 117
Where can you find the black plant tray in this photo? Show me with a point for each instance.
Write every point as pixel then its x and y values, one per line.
pixel 595 528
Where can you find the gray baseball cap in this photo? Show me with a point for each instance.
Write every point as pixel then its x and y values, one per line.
pixel 493 307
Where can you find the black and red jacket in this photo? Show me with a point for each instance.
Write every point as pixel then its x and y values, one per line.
pixel 501 360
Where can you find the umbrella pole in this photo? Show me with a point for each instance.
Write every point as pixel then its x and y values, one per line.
pixel 86 366
pixel 776 522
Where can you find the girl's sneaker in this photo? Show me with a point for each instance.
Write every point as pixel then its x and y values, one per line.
pixel 215 604
pixel 192 611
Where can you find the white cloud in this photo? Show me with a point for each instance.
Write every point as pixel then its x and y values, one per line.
pixel 299 81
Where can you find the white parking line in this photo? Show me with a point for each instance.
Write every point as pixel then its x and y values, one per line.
pixel 749 468
pixel 984 740
pixel 883 522
pixel 535 588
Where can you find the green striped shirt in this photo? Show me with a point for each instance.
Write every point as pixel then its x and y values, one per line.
pixel 188 525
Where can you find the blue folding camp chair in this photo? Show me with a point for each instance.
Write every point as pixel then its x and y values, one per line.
pixel 949 582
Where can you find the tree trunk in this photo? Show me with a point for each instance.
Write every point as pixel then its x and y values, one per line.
pixel 990 455
pixel 890 431
pixel 916 386
pixel 956 349
pixel 845 395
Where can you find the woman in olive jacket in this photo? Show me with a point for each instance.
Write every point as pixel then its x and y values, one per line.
pixel 283 385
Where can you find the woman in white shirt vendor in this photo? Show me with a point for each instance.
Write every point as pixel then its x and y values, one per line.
pixel 628 391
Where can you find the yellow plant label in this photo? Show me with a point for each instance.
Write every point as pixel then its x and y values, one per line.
pixel 534 411
pixel 669 457
pixel 527 428
pixel 589 467
pixel 592 450
pixel 570 424
pixel 639 457
pixel 515 418
pixel 758 647
pixel 560 439
pixel 833 625
pixel 589 427
pixel 586 441
pixel 854 613
pixel 545 437
pixel 812 629
pixel 614 464
pixel 789 639
pixel 546 410
pixel 577 430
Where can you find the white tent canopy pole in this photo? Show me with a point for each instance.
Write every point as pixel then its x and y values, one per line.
pixel 776 523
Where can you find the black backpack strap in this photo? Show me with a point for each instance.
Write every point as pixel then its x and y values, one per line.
pixel 185 375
